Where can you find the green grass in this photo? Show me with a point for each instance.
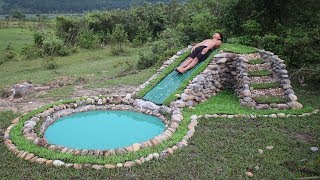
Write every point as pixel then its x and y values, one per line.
pixel 220 148
pixel 226 102
pixel 162 75
pixel 256 61
pixel 237 48
pixel 17 37
pixel 269 100
pixel 98 68
pixel 24 144
pixel 265 85
pixel 260 73
pixel 185 83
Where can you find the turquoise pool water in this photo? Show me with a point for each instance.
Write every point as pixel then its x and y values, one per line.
pixel 98 130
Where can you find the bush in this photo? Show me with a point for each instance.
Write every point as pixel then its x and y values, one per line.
pixel 251 27
pixel 146 60
pixel 31 52
pixel 53 46
pixel 49 63
pixel 38 38
pixel 87 39
pixel 8 54
pixel 118 37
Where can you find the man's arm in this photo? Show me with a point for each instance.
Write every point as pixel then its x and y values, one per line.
pixel 197 45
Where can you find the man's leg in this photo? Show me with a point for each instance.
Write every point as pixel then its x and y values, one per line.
pixel 184 64
pixel 190 65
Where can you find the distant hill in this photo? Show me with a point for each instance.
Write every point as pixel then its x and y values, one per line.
pixel 67 6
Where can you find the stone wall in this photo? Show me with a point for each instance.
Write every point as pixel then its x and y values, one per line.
pixel 228 70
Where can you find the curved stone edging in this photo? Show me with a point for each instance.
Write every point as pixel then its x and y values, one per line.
pixel 58 163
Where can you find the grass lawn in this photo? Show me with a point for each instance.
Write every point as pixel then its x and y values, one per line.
pixel 16 36
pixel 221 148
pixel 97 68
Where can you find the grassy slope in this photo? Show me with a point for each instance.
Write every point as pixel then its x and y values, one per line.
pixel 99 69
pixel 16 36
pixel 220 148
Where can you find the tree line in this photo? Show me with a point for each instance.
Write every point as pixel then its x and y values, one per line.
pixel 66 6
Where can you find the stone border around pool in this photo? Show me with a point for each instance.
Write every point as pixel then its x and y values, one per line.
pixel 174 123
pixel 52 114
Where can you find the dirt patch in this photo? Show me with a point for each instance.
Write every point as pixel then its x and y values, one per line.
pixel 304 137
pixel 28 103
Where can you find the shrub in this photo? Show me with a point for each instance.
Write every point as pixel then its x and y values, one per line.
pixel 49 63
pixel 53 46
pixel 146 60
pixel 38 38
pixel 87 39
pixel 31 52
pixel 118 37
pixel 252 27
pixel 8 54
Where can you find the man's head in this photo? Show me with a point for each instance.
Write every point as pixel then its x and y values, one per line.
pixel 218 36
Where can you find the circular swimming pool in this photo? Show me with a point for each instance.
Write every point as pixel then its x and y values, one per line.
pixel 100 130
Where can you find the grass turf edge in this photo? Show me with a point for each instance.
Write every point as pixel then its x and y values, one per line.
pixel 23 144
pixel 162 75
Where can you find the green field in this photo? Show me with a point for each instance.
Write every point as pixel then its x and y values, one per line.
pixel 17 37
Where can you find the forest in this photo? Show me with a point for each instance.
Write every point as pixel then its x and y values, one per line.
pixel 66 6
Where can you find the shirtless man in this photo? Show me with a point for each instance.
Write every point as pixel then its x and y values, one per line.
pixel 200 52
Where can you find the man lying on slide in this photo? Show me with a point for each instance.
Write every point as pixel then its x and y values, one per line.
pixel 200 52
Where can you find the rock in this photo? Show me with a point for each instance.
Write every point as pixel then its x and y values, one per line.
pixel 136 146
pixel 249 174
pixel 281 115
pixel 273 116
pixel 41 142
pixel 40 160
pixel 49 163
pixel 119 165
pixel 295 105
pixel 84 152
pixel 177 117
pixel 100 102
pixel 262 107
pixel 146 104
pixel 260 151
pixel 109 166
pixel 22 89
pixel 222 60
pixel 177 95
pixel 129 164
pixel 58 163
pixel 156 155
pixel 287 86
pixel 97 167
pixel 246 93
pixel 257 168
pixel 77 166
pixel 269 147
pixel 292 97
pixel 282 106
pixel 69 165
pixel 29 156
pixel 314 149
pixel 138 162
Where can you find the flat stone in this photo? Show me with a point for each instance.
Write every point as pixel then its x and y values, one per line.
pixel 29 156
pixel 84 152
pixel 77 166
pixel 269 147
pixel 128 164
pixel 40 160
pixel 97 167
pixel 295 105
pixel 58 163
pixel 282 106
pixel 281 115
pixel 119 165
pixel 177 117
pixel 69 165
pixel 136 146
pixel 49 163
pixel 138 162
pixel 109 166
